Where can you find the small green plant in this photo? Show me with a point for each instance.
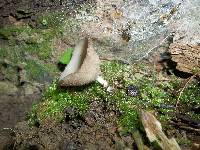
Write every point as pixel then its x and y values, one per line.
pixel 129 119
pixel 66 57
pixel 33 115
pixel 55 100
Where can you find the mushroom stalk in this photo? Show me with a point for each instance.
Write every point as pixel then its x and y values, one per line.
pixel 78 56
pixel 104 83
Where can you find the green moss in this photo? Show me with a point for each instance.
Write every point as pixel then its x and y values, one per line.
pixel 33 119
pixel 37 41
pixel 152 96
pixel 28 40
pixel 42 50
pixel 55 100
pixel 12 53
pixel 191 95
pixel 129 119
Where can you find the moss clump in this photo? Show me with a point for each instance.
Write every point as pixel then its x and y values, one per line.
pixel 42 50
pixel 129 119
pixel 55 100
pixel 152 96
pixel 27 40
pixel 3 52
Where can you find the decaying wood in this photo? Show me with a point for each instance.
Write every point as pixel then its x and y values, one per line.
pixel 184 127
pixel 186 56
pixel 154 132
pixel 186 122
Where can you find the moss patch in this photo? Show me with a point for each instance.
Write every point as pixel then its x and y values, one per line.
pixel 153 95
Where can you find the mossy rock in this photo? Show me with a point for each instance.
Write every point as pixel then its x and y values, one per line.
pixel 152 96
pixel 7 88
pixel 37 72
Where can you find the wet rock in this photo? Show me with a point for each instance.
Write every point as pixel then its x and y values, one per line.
pixel 7 88
pixel 26 10
pixel 185 47
pixel 29 89
pixel 68 145
pixel 7 139
pixel 16 103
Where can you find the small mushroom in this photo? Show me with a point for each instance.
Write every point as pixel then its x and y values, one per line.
pixel 83 68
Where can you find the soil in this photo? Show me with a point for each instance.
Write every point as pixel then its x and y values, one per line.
pixel 27 10
pixel 97 130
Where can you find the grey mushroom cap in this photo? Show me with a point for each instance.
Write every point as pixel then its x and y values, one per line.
pixel 84 66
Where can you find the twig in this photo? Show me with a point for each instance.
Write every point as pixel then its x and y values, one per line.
pixel 182 126
pixel 184 86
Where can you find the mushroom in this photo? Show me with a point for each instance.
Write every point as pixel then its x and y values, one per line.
pixel 83 68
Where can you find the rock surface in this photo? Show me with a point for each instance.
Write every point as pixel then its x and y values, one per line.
pixel 187 57
pixel 185 48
